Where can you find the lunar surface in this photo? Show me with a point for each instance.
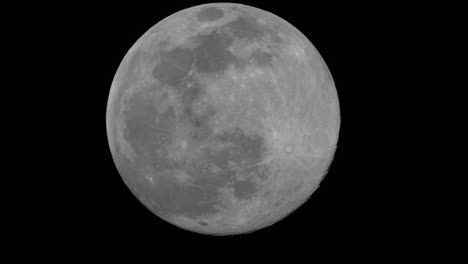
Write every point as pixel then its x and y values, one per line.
pixel 222 119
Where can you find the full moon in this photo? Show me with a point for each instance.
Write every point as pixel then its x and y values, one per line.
pixel 222 119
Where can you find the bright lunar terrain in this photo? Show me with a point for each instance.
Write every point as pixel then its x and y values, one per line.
pixel 222 119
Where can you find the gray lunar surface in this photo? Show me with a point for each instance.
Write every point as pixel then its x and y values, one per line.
pixel 222 119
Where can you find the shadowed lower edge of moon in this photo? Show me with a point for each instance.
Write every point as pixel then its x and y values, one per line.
pixel 174 70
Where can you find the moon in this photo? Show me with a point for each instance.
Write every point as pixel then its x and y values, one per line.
pixel 222 119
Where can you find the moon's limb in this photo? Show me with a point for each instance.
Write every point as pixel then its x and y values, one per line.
pixel 222 119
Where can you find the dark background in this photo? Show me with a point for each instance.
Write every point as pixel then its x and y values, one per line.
pixel 374 198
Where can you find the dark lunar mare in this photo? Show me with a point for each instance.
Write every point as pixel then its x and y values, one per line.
pixel 173 66
pixel 246 27
pixel 212 55
pixel 262 58
pixel 211 13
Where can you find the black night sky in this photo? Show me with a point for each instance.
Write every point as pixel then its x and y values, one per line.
pixel 380 56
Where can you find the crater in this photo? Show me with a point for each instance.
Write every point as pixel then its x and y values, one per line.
pixel 210 14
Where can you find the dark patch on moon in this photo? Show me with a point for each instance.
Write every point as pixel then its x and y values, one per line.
pixel 246 148
pixel 210 14
pixel 141 128
pixel 245 27
pixel 261 58
pixel 212 54
pixel 244 189
pixel 173 66
pixel 188 199
pixel 201 130
pixel 190 91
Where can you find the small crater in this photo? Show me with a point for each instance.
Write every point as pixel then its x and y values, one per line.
pixel 202 223
pixel 210 14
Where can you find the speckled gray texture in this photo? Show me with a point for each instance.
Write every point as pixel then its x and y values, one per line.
pixel 202 110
